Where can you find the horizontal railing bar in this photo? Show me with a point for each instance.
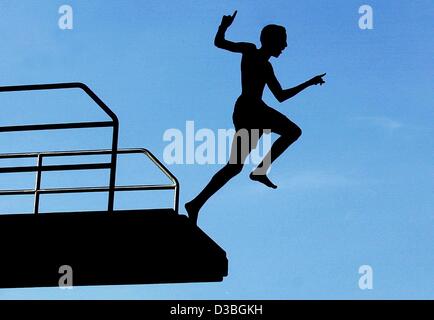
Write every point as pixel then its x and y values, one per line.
pixel 64 167
pixel 76 153
pixel 92 152
pixel 67 153
pixel 16 192
pixel 141 187
pixel 89 152
pixel 102 212
pixel 55 126
pixel 48 86
pixel 89 189
pixel 53 154
pixel 106 189
pixel 18 155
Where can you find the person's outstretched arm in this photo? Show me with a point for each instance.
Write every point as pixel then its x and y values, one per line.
pixel 221 42
pixel 284 94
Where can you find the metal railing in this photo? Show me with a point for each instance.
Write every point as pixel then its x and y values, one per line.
pixel 114 123
pixel 39 168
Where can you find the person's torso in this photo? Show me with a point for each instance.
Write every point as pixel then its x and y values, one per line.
pixel 254 73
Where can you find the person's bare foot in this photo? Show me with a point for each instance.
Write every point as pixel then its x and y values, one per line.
pixel 192 212
pixel 262 178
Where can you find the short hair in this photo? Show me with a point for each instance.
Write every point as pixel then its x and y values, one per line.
pixel 271 33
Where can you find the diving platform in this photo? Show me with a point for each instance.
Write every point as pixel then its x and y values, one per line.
pixel 107 248
pixel 97 247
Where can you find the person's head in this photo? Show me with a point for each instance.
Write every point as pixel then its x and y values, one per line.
pixel 273 39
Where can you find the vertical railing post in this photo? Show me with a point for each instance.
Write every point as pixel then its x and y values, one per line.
pixel 176 199
pixel 114 154
pixel 37 184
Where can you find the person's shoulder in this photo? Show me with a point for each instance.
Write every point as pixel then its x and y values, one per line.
pixel 249 47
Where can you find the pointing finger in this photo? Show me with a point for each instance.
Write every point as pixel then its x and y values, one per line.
pixel 235 14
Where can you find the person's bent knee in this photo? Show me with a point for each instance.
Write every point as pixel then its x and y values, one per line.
pixel 297 132
pixel 292 133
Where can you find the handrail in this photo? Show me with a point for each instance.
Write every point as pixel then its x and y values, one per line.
pixel 57 126
pixel 168 174
pixel 97 100
pixel 39 168
pixel 59 167
pixel 63 85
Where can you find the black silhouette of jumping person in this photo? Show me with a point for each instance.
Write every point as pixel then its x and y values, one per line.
pixel 251 113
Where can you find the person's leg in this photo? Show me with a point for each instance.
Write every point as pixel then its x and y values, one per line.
pixel 240 148
pixel 289 132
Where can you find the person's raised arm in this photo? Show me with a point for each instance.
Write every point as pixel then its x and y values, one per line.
pixel 284 94
pixel 221 42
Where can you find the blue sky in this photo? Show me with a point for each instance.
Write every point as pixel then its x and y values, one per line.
pixel 355 189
